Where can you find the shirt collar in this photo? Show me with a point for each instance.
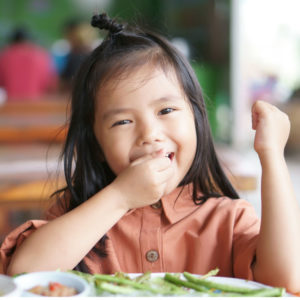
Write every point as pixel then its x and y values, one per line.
pixel 176 205
pixel 179 203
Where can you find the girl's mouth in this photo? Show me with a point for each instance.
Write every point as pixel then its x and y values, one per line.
pixel 170 155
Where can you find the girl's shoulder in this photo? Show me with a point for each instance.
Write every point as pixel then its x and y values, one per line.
pixel 225 201
pixel 227 206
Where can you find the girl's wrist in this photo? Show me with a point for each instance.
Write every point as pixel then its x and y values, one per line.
pixel 270 156
pixel 115 197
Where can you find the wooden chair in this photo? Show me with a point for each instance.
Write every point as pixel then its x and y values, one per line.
pixel 32 197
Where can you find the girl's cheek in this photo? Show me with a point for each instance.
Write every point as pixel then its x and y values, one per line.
pixel 117 157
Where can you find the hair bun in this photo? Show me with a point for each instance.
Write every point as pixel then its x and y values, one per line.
pixel 102 21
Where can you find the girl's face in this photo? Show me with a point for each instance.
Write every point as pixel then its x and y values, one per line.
pixel 141 114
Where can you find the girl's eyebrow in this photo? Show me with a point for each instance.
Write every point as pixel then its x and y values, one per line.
pixel 116 111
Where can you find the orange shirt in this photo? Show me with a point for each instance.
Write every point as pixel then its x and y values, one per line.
pixel 175 235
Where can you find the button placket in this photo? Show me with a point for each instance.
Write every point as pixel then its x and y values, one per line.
pixel 150 240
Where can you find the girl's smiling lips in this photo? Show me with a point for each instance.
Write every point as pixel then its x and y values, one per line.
pixel 157 153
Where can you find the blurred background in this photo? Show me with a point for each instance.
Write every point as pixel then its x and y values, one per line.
pixel 241 51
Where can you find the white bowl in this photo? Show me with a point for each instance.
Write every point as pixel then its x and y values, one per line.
pixel 30 280
pixel 8 288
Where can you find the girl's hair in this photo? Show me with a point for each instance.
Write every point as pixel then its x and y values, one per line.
pixel 122 51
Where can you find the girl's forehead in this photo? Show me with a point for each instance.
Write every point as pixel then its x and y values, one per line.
pixel 137 78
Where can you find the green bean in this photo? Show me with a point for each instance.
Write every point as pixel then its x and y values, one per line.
pixel 263 292
pixel 143 277
pixel 195 287
pixel 121 275
pixel 169 288
pixel 210 273
pixel 115 289
pixel 266 292
pixel 123 281
pixel 215 285
pixel 88 277
pixel 188 284
pixel 142 287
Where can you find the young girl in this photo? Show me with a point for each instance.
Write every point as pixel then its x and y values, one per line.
pixel 145 190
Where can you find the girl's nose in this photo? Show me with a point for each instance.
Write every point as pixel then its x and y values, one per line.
pixel 149 133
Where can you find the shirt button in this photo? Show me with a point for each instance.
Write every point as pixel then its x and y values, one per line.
pixel 152 255
pixel 156 205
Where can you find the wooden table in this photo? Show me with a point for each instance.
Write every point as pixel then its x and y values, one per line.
pixel 43 121
pixel 29 174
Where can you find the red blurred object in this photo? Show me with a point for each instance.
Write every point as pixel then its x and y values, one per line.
pixel 26 71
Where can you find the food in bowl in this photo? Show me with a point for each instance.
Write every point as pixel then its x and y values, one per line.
pixel 54 289
pixel 46 279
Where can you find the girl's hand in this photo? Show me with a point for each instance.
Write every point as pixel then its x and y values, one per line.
pixel 144 181
pixel 272 128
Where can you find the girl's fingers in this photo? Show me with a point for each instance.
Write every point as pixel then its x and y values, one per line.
pixel 142 159
pixel 262 110
pixel 146 157
pixel 256 111
pixel 164 175
pixel 254 120
pixel 156 161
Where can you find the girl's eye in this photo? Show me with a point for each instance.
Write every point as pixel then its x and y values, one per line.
pixel 122 122
pixel 166 111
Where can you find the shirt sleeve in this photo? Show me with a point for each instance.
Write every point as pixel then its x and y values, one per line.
pixel 246 232
pixel 15 238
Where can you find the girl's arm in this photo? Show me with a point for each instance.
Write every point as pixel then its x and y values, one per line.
pixel 278 250
pixel 63 242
